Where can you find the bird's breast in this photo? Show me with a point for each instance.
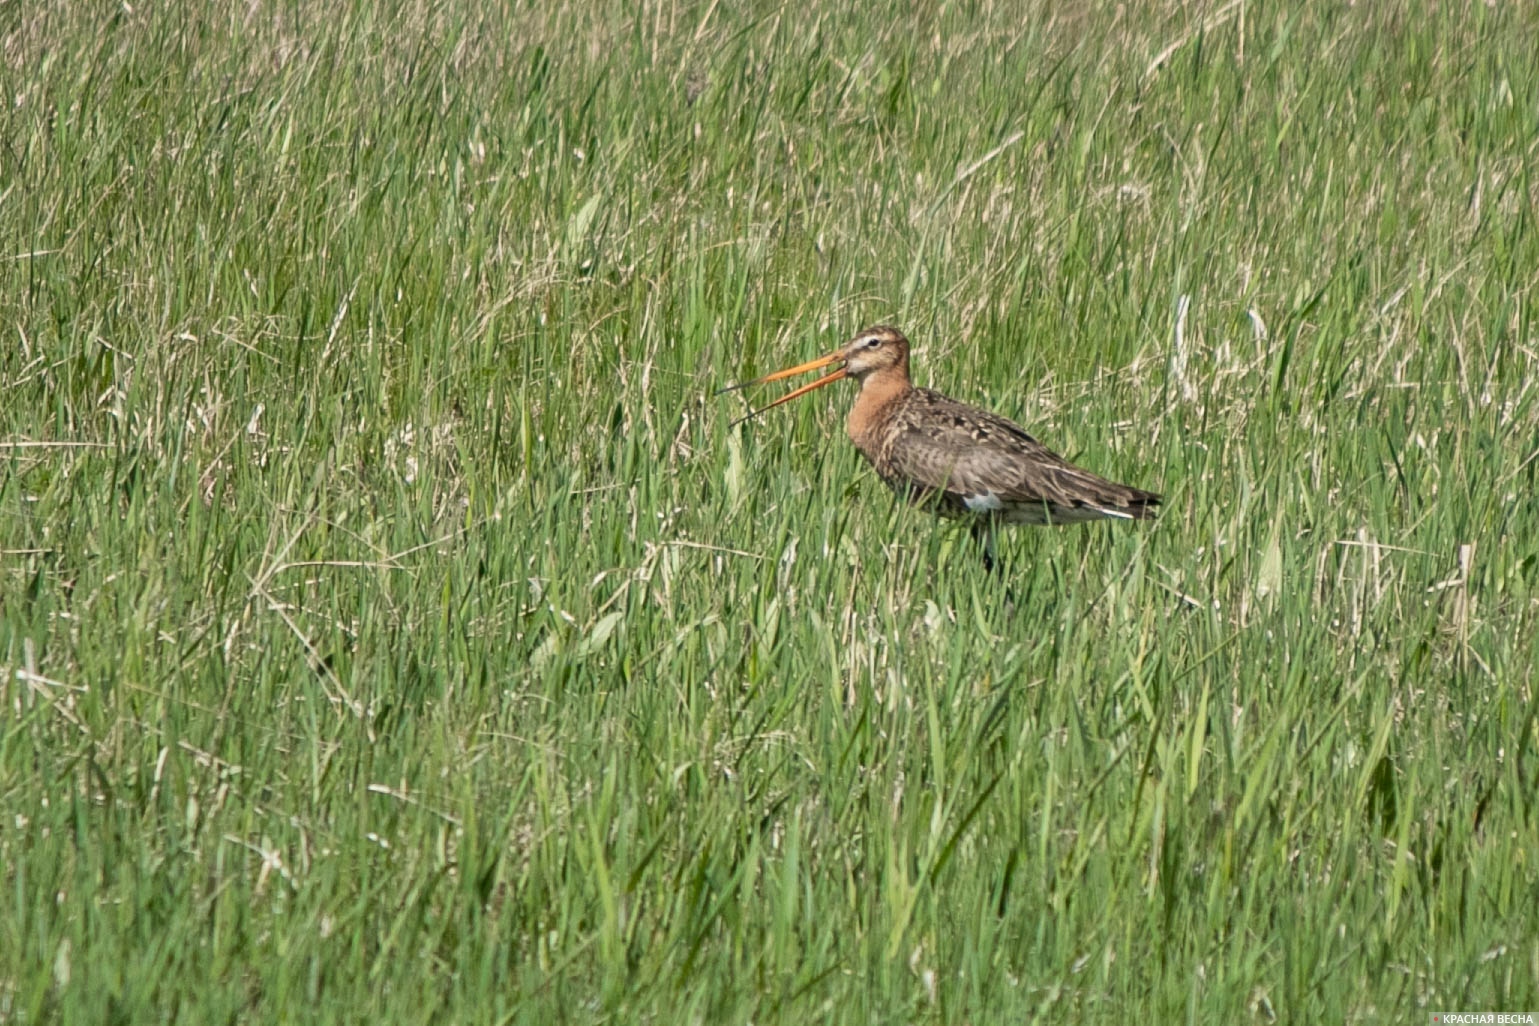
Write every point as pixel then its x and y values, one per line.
pixel 864 428
pixel 871 421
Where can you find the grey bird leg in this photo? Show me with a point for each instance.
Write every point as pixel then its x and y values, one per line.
pixel 983 534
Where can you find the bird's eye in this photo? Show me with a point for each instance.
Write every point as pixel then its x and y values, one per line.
pixel 873 342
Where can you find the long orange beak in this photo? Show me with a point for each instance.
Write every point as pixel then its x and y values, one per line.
pixel 801 368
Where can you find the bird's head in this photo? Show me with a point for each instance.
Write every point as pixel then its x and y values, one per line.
pixel 871 351
pixel 874 350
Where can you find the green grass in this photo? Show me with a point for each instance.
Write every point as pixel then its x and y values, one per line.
pixel 393 629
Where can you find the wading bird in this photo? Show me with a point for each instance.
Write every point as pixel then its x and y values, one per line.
pixel 960 461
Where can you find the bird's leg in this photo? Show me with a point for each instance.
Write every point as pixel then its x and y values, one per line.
pixel 984 530
pixel 983 534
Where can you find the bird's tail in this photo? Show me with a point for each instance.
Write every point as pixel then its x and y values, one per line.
pixel 1141 505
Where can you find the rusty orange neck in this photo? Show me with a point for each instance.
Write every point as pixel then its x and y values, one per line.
pixel 877 392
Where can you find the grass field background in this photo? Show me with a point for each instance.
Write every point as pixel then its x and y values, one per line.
pixel 393 629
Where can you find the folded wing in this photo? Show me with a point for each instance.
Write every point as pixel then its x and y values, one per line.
pixel 972 461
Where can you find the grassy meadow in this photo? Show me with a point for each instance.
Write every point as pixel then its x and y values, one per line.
pixel 393 628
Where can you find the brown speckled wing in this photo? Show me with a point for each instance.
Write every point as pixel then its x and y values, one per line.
pixel 983 463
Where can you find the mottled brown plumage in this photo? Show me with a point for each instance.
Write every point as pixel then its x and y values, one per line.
pixel 957 459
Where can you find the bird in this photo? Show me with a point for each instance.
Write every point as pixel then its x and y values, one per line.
pixel 959 461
